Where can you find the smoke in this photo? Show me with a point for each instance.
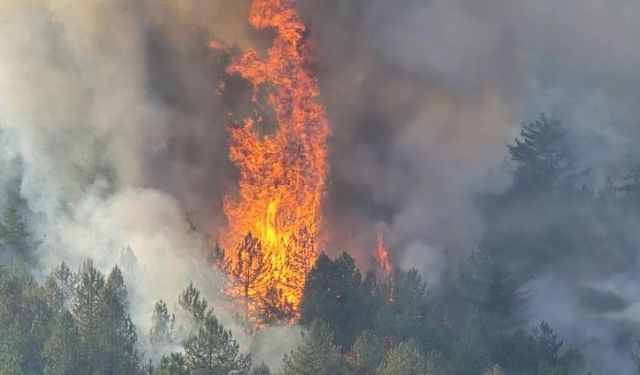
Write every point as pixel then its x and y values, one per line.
pixel 424 95
pixel 112 134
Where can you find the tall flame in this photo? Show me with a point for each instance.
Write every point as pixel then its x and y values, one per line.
pixel 382 254
pixel 282 175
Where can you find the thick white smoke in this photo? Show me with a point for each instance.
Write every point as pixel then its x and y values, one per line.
pixel 100 153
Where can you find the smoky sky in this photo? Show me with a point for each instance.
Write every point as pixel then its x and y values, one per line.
pixel 113 134
pixel 425 94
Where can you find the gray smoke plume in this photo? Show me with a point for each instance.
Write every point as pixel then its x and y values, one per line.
pixel 424 95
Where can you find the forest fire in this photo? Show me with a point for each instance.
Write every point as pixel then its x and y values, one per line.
pixel 273 223
pixel 382 254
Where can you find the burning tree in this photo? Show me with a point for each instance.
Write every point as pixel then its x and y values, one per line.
pixel 248 274
pixel 301 256
pixel 282 175
pixel 382 254
pixel 272 310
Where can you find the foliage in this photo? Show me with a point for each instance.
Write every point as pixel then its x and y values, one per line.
pixel 542 156
pixel 405 359
pixel 526 353
pixel 366 354
pixel 212 350
pixel 263 369
pixel 247 273
pixel 61 351
pixel 174 364
pixel 469 353
pixel 161 332
pixel 317 355
pixel 191 302
pixel 77 322
pixel 59 288
pixel 118 336
pixel 495 290
pixel 16 239
pixel 335 294
pixel 407 311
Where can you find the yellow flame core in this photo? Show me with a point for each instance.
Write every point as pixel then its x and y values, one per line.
pixel 282 176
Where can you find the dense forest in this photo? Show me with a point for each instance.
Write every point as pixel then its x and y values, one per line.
pixel 354 322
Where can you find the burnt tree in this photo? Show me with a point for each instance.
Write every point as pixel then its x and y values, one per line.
pixel 248 274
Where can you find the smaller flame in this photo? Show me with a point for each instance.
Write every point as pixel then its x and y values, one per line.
pixel 382 254
pixel 215 45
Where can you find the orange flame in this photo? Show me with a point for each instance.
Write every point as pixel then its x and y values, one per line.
pixel 382 254
pixel 282 175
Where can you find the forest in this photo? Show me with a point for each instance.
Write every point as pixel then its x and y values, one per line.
pixel 77 321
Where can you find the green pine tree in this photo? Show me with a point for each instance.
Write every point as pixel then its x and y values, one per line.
pixel 174 364
pixel 15 236
pixel 212 350
pixel 404 359
pixel 59 288
pixel 542 156
pixel 86 310
pixel 366 354
pixel 61 351
pixel 263 369
pixel 118 335
pixel 191 302
pixel 334 293
pixel 317 355
pixel 162 323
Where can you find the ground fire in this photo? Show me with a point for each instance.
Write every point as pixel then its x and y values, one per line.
pixel 273 223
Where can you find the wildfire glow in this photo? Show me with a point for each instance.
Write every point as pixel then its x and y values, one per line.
pixel 282 173
pixel 382 254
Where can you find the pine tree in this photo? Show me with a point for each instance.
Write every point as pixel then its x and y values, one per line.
pixel 175 364
pixel 191 302
pixel 470 353
pixel 404 359
pixel 162 324
pixel 527 352
pixel 10 358
pixel 497 292
pixel 86 310
pixel 107 335
pixel 218 258
pixel 273 309
pixel 263 369
pixel 547 344
pixel 407 311
pixel 248 272
pixel 118 335
pixel 15 236
pixel 61 356
pixel 334 294
pixel 24 319
pixel 59 288
pixel 317 355
pixel 366 354
pixel 301 257
pixel 542 157
pixel 212 350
